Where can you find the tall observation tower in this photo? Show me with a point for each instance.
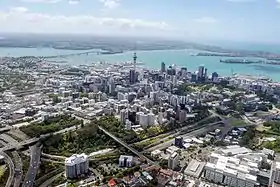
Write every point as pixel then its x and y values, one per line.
pixel 134 61
pixel 132 72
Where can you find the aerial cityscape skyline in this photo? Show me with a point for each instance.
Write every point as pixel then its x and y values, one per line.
pixel 134 93
pixel 230 20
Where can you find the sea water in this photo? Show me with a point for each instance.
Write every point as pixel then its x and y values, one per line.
pixel 153 59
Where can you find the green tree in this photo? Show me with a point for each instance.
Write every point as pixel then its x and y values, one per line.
pixel 163 163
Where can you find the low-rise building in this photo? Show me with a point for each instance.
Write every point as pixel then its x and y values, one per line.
pixel 194 168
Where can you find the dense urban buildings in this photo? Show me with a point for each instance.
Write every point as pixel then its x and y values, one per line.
pixel 172 126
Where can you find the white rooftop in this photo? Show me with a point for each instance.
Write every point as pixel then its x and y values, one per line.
pixel 76 159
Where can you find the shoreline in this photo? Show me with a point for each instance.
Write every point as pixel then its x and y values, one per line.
pixel 152 60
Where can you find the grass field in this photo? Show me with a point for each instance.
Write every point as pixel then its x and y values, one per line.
pixel 237 122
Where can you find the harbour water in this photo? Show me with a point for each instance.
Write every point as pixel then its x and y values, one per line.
pixel 153 59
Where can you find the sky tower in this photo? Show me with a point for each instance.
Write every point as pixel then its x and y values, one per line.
pixel 134 61
pixel 132 72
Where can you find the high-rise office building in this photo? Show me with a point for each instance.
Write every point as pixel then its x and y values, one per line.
pixel 194 77
pixel 215 76
pixel 163 68
pixel 132 76
pixel 173 161
pixel 123 115
pixel 201 72
pixel 184 72
pixel 160 118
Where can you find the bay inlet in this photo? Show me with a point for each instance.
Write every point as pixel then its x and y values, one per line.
pixel 153 59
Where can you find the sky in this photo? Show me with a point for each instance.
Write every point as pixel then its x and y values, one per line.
pixel 193 20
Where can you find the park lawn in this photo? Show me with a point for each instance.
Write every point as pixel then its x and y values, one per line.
pixel 2 171
pixel 237 122
pixel 271 145
pixel 262 128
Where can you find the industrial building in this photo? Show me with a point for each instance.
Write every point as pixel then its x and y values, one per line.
pixel 76 165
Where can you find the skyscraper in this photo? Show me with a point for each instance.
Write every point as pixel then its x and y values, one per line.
pixel 132 72
pixel 184 72
pixel 132 76
pixel 200 72
pixel 163 68
pixel 215 76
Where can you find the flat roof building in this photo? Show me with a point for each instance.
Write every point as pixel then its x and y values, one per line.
pixel 231 171
pixel 194 168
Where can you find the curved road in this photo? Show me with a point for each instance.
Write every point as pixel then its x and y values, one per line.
pixel 18 169
pixel 11 168
pixel 33 167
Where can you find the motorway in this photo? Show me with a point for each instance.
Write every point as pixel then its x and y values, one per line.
pixel 177 132
pixel 18 169
pixel 34 140
pixel 140 155
pixel 51 180
pixel 198 132
pixel 33 167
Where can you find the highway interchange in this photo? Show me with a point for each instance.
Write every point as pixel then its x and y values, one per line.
pixel 16 165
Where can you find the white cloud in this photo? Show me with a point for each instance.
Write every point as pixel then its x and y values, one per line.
pixel 205 20
pixel 19 19
pixel 278 3
pixel 110 4
pixel 73 2
pixel 18 9
pixel 40 1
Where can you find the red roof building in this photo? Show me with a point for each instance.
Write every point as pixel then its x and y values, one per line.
pixel 112 183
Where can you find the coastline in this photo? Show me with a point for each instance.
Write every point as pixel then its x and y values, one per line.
pixel 152 60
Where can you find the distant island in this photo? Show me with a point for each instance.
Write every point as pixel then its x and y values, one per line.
pixel 114 45
pixel 255 54
pixel 241 61
pixel 246 61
